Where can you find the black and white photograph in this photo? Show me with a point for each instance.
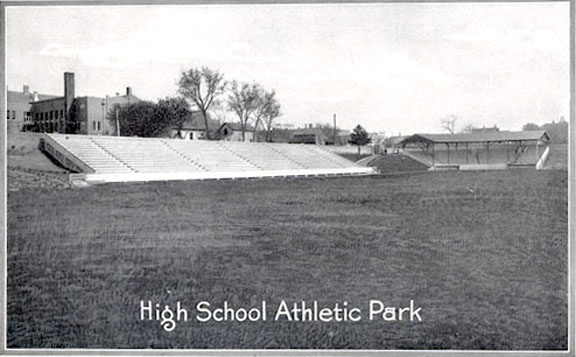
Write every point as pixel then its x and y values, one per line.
pixel 264 177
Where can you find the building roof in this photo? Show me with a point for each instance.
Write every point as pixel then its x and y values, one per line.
pixel 21 97
pixel 235 127
pixel 195 122
pixel 307 131
pixel 478 137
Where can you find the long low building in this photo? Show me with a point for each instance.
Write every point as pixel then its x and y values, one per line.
pixel 122 159
pixel 481 150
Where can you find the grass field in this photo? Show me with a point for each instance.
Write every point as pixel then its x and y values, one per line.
pixel 483 253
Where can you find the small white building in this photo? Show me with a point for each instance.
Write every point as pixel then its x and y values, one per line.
pixel 192 129
pixel 233 132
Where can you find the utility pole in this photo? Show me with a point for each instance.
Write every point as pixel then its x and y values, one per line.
pixel 334 129
pixel 117 123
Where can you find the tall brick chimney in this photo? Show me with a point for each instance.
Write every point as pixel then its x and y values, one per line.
pixel 68 95
pixel 128 90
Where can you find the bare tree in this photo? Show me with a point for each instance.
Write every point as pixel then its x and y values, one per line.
pixel 202 88
pixel 244 100
pixel 220 113
pixel 272 112
pixel 268 109
pixel 449 123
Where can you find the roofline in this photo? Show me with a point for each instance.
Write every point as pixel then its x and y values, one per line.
pixel 46 100
pixel 423 137
pixel 245 130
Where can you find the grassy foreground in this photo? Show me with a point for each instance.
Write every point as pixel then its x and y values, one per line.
pixel 483 253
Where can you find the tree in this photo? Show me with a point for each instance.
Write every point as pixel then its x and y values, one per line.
pixel 267 110
pixel 467 129
pixel 530 126
pixel 244 100
pixel 449 123
pixel 220 113
pixel 359 137
pixel 202 87
pixel 137 119
pixel 272 112
pixel 173 112
pixel 148 119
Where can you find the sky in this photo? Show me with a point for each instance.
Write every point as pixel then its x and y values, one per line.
pixel 390 67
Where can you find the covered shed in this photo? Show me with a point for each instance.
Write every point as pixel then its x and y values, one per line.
pixel 503 147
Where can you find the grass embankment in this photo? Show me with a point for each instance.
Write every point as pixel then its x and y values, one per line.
pixel 483 253
pixel 27 166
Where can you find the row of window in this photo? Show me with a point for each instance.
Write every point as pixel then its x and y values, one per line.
pixel 48 121
pixel 51 115
pixel 11 114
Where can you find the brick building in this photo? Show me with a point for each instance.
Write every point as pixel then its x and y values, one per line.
pixel 19 105
pixel 66 114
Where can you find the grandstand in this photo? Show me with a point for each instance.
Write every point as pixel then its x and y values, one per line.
pixel 99 159
pixel 497 150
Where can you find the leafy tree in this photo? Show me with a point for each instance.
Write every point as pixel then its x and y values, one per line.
pixel 359 137
pixel 148 119
pixel 173 112
pixel 244 101
pixel 558 131
pixel 530 126
pixel 202 87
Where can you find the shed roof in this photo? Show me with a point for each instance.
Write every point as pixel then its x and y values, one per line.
pixel 478 137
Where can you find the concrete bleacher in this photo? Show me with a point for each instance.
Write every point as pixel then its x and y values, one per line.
pixel 117 159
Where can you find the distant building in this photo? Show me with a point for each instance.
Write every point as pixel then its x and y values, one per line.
pixel 19 106
pixel 342 137
pixel 192 129
pixel 484 129
pixel 233 132
pixel 66 114
pixel 308 135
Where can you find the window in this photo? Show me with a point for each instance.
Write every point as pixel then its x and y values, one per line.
pixel 56 115
pixel 8 115
pixel 51 114
pixel 98 125
pixel 27 116
pixel 61 113
pixel 93 125
pixel 192 136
